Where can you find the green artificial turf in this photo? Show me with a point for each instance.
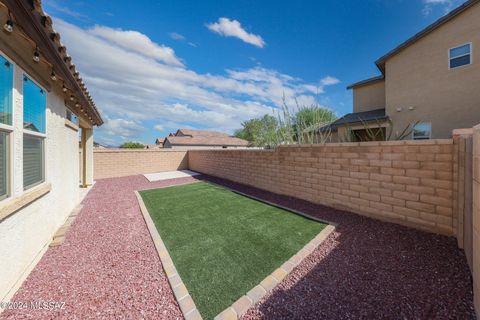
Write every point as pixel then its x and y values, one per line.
pixel 222 243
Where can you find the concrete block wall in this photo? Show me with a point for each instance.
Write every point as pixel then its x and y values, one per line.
pixel 108 163
pixel 406 182
pixel 476 219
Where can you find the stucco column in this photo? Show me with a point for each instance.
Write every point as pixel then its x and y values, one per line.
pixel 87 153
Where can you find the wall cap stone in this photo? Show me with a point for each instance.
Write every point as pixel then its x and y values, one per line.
pixel 340 144
pixel 120 150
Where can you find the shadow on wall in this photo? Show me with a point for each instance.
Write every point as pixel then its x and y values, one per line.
pixel 369 269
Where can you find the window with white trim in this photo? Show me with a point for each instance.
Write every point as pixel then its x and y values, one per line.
pixel 422 131
pixel 34 107
pixel 6 102
pixel 460 56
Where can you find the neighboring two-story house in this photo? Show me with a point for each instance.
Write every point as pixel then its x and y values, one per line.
pixel 431 80
pixel 45 109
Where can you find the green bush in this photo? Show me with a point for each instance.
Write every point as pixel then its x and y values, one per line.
pixel 132 145
pixel 287 128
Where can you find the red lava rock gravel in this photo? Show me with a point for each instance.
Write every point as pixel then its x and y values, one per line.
pixel 108 268
pixel 368 269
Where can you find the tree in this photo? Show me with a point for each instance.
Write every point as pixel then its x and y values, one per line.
pixel 287 128
pixel 132 145
pixel 259 132
pixel 309 120
pixel 308 117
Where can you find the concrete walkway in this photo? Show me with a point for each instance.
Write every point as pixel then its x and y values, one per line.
pixel 108 268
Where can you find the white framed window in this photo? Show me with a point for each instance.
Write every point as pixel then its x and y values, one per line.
pixel 422 131
pixel 34 128
pixel 6 125
pixel 4 164
pixel 460 56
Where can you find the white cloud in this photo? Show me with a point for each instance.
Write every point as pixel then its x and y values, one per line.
pixel 447 5
pixel 53 5
pixel 131 88
pixel 137 42
pixel 233 28
pixel 122 128
pixel 176 36
pixel 180 37
pixel 159 127
pixel 328 81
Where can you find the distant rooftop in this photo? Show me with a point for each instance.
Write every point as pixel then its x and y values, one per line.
pixel 188 137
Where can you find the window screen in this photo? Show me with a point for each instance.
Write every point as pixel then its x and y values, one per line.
pixel 6 86
pixel 33 160
pixel 34 103
pixel 3 164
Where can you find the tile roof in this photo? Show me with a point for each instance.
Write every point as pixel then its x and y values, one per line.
pixel 366 81
pixel 203 133
pixel 38 26
pixel 224 140
pixel 356 118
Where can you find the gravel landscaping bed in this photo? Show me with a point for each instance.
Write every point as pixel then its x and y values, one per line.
pixel 368 269
pixel 108 268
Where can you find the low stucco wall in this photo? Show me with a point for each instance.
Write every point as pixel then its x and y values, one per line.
pixel 108 163
pixel 476 219
pixel 406 182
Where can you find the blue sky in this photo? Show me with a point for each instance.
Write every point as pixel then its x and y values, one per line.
pixel 155 66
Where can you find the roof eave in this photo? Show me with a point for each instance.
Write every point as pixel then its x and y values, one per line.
pixel 38 26
pixel 430 28
pixel 366 82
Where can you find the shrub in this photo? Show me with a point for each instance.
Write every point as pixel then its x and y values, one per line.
pixel 132 145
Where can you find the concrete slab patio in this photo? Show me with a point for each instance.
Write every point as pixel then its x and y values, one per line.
pixel 108 267
pixel 159 176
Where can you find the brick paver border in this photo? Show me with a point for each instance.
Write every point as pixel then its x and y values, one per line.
pixel 239 307
pixel 184 300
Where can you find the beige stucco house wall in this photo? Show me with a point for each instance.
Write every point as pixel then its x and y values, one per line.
pixel 419 77
pixel 29 218
pixel 25 234
pixel 369 96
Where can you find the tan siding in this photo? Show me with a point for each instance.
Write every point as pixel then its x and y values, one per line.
pixel 369 97
pixel 419 77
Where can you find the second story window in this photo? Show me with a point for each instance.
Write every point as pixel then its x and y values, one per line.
pixel 460 56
